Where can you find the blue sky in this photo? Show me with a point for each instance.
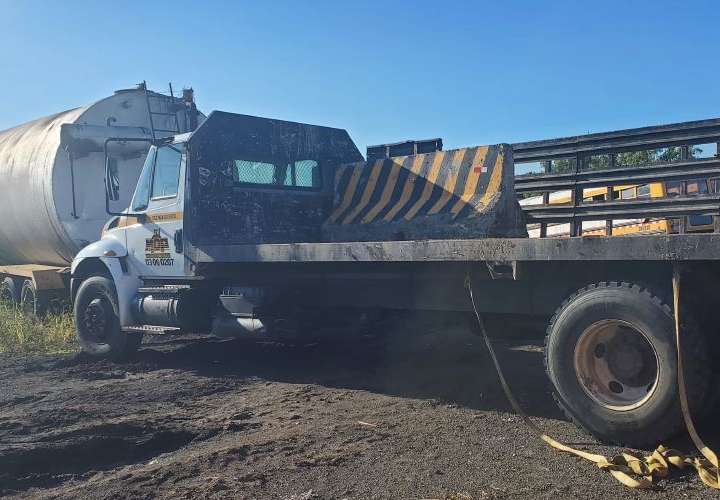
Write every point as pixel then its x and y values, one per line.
pixel 469 72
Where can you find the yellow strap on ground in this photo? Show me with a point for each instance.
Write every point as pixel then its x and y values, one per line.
pixel 632 469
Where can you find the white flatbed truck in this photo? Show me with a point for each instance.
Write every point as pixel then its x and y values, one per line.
pixel 251 224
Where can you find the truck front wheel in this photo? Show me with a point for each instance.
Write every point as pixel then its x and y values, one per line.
pixel 98 323
pixel 610 353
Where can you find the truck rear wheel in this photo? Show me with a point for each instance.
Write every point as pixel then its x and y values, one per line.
pixel 610 353
pixel 9 291
pixel 32 301
pixel 97 321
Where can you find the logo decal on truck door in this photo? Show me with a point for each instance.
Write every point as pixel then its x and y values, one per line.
pixel 157 251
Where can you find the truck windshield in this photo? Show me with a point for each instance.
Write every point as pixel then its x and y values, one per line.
pixel 160 176
pixel 142 191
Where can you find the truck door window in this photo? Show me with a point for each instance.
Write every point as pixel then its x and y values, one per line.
pixel 142 191
pixel 167 172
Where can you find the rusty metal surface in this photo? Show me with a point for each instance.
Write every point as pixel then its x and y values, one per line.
pixel 226 211
pixel 463 193
pixel 639 248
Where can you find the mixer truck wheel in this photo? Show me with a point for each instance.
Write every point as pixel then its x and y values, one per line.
pixel 97 321
pixel 9 291
pixel 610 353
pixel 32 301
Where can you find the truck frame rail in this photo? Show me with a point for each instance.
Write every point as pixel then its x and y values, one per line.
pixel 686 247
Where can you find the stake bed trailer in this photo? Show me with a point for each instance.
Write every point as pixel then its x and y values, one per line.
pixel 257 226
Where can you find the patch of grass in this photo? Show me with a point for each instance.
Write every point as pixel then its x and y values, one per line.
pixel 20 334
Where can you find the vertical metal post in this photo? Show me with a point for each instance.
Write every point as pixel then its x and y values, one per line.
pixel 545 200
pixel 608 196
pixel 715 188
pixel 575 225
pixel 682 221
pixel 608 222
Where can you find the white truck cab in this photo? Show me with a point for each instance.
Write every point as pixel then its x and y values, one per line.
pixel 247 180
pixel 144 241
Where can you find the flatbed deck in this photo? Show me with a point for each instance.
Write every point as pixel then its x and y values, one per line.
pixel 679 247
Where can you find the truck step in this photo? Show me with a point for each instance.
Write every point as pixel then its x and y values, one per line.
pixel 151 329
pixel 163 289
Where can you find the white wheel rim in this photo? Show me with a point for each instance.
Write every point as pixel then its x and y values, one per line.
pixel 616 365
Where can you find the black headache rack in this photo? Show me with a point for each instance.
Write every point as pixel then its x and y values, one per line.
pixel 403 148
pixel 632 157
pixel 261 180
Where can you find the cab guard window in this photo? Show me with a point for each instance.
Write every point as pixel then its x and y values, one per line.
pixel 302 174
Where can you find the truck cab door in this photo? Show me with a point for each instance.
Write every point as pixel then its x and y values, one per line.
pixel 154 240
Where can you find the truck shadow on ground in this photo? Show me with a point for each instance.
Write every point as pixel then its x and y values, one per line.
pixel 447 365
pixel 445 368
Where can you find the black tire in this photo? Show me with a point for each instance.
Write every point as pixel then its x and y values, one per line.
pixel 98 324
pixel 32 301
pixel 10 291
pixel 642 323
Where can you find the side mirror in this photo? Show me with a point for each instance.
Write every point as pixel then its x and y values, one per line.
pixel 112 180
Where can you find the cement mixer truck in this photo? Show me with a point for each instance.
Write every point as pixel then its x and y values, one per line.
pixel 52 172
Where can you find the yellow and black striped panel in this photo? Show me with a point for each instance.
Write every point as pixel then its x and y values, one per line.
pixel 456 184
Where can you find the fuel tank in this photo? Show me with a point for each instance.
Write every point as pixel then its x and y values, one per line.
pixel 52 195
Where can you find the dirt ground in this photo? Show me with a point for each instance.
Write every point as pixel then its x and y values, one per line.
pixel 413 414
